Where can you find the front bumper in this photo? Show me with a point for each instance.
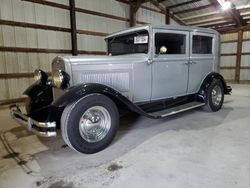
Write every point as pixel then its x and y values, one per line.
pixel 43 129
pixel 229 89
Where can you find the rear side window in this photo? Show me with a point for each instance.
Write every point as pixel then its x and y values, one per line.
pixel 170 43
pixel 202 44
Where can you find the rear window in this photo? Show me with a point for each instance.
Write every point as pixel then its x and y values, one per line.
pixel 202 44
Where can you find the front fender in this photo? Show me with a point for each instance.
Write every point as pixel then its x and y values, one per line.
pixel 39 96
pixel 76 92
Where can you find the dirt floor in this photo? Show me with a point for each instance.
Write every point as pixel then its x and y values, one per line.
pixel 192 149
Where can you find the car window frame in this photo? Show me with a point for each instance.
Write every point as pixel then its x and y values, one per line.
pixel 195 33
pixel 172 56
pixel 131 32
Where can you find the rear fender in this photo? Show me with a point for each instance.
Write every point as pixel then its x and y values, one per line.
pixel 208 80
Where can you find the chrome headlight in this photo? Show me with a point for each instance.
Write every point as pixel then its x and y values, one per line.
pixel 40 76
pixel 61 79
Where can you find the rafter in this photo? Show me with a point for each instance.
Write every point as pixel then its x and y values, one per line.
pixel 220 25
pixel 134 6
pixel 204 23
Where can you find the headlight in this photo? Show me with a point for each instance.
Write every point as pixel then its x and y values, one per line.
pixel 61 79
pixel 40 76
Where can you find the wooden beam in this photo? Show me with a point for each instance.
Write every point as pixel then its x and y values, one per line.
pixel 245 53
pixel 204 23
pixel 163 10
pixel 11 101
pixel 33 26
pixel 91 12
pixel 167 16
pixel 48 27
pixel 227 67
pixel 238 58
pixel 159 6
pixel 134 6
pixel 42 50
pixel 91 52
pixel 234 29
pixel 19 75
pixel 93 33
pixel 49 3
pixel 34 50
pixel 220 25
pixel 229 41
pixel 73 27
pixel 132 22
pixel 245 67
pixel 229 54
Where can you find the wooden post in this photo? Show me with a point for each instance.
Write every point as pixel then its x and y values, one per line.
pixel 167 18
pixel 73 27
pixel 238 58
pixel 132 15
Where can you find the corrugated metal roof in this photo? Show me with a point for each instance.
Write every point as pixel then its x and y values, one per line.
pixel 210 9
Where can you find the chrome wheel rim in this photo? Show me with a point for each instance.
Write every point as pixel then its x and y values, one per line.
pixel 95 124
pixel 216 95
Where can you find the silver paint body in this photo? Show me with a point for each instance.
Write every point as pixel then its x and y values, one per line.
pixel 136 77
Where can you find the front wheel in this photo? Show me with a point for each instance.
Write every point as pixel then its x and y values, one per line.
pixel 214 96
pixel 90 124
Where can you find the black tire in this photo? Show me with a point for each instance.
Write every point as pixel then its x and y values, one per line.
pixel 210 105
pixel 70 121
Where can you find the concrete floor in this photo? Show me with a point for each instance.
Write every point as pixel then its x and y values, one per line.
pixel 192 149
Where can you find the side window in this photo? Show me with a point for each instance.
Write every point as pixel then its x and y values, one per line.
pixel 170 43
pixel 202 44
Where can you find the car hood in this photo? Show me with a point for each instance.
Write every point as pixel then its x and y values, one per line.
pixel 101 59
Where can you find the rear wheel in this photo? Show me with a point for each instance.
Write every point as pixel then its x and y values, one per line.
pixel 214 96
pixel 90 124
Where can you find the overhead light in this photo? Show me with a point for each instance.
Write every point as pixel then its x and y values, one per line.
pixel 226 5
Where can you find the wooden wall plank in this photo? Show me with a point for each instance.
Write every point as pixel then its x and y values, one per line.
pixel 32 25
pixel 11 101
pixel 19 75
pixel 33 50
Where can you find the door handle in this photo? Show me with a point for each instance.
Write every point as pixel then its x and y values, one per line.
pixel 192 62
pixel 150 61
pixel 186 63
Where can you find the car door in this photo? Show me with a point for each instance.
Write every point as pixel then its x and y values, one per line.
pixel 170 68
pixel 201 58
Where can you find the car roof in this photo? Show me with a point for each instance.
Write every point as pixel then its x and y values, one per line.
pixel 164 27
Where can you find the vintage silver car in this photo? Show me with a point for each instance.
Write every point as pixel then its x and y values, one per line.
pixel 155 71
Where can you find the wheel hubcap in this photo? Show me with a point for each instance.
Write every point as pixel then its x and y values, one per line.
pixel 95 124
pixel 216 95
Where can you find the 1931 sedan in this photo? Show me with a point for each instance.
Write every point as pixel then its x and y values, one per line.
pixel 155 71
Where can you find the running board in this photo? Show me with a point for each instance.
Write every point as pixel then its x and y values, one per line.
pixel 176 110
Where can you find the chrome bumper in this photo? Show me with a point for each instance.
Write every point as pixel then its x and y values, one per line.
pixel 43 129
pixel 229 89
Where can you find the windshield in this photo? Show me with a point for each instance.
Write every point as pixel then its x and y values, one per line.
pixel 135 42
